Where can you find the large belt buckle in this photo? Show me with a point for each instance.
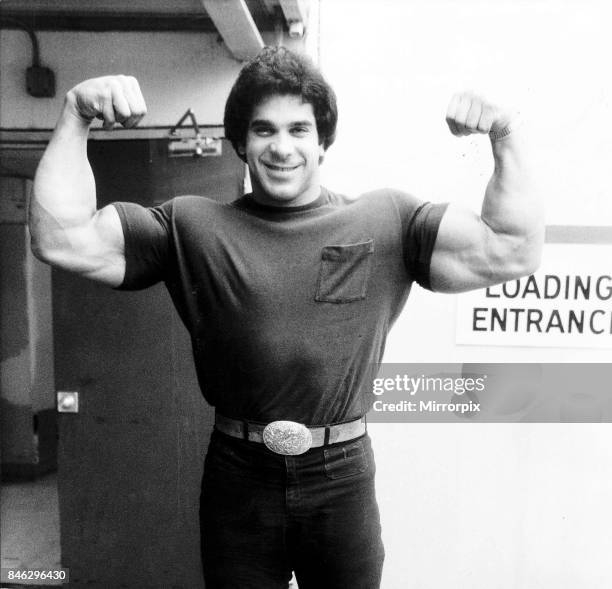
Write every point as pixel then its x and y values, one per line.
pixel 287 437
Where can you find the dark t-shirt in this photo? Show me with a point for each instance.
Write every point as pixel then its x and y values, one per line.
pixel 286 307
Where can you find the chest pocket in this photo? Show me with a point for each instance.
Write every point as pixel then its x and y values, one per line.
pixel 344 272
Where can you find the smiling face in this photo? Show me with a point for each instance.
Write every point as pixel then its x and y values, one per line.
pixel 283 152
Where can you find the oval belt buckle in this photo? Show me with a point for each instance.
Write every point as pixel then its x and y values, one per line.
pixel 287 437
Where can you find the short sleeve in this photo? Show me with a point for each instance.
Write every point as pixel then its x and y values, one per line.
pixel 148 240
pixel 420 222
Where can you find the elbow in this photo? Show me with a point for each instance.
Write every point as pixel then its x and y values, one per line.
pixel 38 246
pixel 40 252
pixel 43 247
pixel 532 264
pixel 522 259
pixel 519 270
pixel 45 244
pixel 526 262
pixel 531 253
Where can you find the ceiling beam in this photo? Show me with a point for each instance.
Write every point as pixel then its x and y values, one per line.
pixel 103 6
pixel 236 26
pixel 295 10
pixel 296 15
pixel 103 22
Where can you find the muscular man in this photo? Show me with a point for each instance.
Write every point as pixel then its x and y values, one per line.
pixel 288 294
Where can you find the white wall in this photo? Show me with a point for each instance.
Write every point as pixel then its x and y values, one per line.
pixel 175 71
pixel 481 505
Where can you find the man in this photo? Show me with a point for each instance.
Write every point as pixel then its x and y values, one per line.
pixel 288 294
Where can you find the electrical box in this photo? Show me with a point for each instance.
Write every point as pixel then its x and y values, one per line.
pixel 40 82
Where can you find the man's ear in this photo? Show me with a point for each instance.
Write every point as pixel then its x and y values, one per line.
pixel 321 153
pixel 241 150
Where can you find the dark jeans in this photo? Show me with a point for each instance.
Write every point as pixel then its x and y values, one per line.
pixel 263 515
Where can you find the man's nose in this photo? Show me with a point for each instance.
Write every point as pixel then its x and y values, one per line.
pixel 281 146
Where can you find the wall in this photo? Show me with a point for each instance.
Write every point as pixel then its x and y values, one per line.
pixel 175 71
pixel 475 506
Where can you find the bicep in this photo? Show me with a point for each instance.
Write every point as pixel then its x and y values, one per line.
pixel 468 254
pixel 95 249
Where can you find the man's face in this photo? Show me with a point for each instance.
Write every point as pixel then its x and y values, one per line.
pixel 283 152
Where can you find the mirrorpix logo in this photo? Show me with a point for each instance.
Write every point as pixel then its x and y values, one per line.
pixel 406 393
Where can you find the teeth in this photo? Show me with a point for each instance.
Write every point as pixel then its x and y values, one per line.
pixel 281 168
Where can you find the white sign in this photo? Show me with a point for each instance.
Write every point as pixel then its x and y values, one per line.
pixel 566 303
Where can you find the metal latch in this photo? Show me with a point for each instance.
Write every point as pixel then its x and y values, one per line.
pixel 67 402
pixel 197 146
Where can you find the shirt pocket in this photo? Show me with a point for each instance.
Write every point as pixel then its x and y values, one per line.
pixel 344 272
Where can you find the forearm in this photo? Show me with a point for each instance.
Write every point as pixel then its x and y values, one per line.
pixel 505 241
pixel 512 208
pixel 64 194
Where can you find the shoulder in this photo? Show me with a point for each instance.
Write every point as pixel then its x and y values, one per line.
pixel 403 202
pixel 383 201
pixel 187 208
pixel 190 202
pixel 380 196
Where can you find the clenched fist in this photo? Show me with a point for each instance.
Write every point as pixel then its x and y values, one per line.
pixel 469 113
pixel 110 98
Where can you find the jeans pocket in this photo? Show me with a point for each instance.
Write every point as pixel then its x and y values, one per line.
pixel 222 457
pixel 345 461
pixel 344 272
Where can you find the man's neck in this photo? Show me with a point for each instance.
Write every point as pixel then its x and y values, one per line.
pixel 305 198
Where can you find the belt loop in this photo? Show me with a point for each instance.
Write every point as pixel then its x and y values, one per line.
pixel 326 437
pixel 245 430
pixel 365 420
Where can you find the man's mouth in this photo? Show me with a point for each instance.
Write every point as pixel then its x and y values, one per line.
pixel 281 169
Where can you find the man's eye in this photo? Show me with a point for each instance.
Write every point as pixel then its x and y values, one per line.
pixel 299 131
pixel 262 131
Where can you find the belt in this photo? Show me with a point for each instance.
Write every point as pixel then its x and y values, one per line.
pixel 289 437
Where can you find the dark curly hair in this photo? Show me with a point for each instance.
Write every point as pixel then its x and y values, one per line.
pixel 274 71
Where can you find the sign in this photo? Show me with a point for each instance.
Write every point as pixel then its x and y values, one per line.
pixel 566 303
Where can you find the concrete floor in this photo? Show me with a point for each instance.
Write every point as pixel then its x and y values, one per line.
pixel 29 530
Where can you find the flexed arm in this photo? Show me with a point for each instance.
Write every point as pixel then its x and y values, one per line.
pixel 505 241
pixel 67 229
